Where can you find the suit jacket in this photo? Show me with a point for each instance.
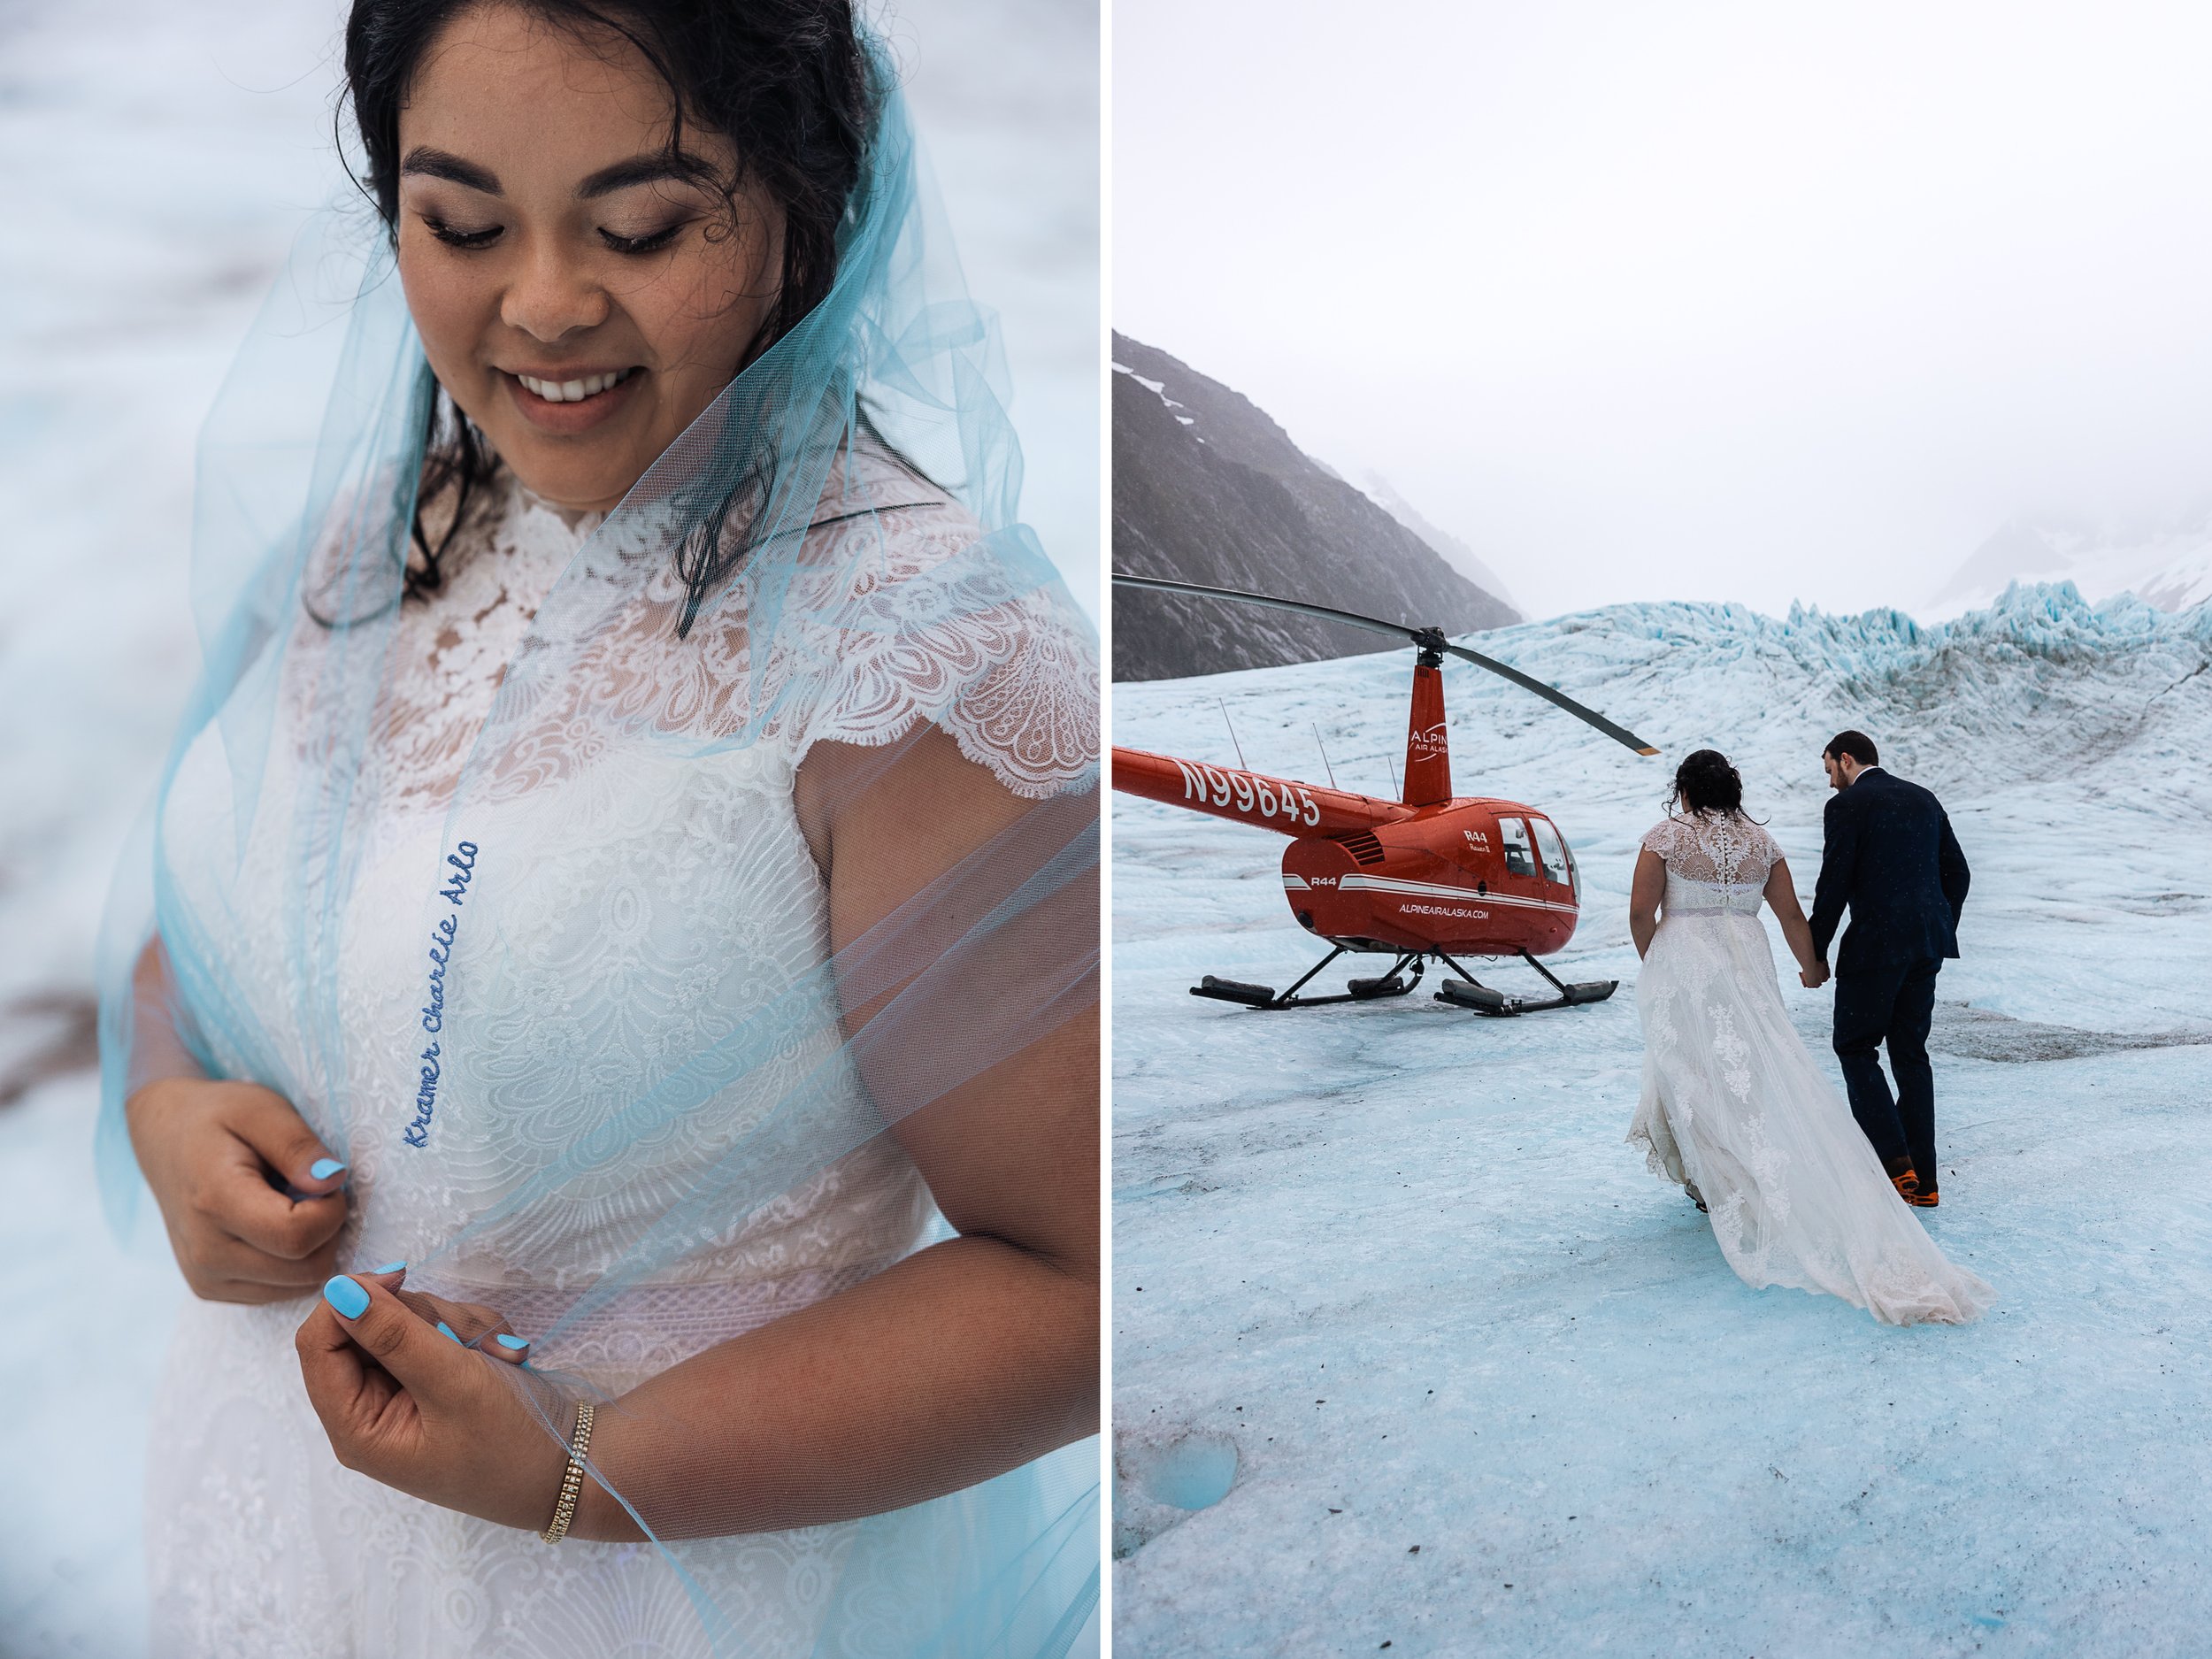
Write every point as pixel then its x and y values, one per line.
pixel 1891 858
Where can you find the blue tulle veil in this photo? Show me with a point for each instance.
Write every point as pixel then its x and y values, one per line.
pixel 309 470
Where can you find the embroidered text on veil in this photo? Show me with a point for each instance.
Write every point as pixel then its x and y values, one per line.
pixel 463 862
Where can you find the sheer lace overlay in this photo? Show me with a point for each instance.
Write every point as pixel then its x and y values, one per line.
pixel 706 907
pixel 1737 1110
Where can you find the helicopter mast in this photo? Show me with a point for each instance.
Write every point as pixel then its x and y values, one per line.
pixel 1428 751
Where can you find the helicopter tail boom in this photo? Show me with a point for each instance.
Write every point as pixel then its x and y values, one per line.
pixel 1271 803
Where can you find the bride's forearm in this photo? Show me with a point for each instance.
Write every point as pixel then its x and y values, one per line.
pixel 1799 936
pixel 963 1361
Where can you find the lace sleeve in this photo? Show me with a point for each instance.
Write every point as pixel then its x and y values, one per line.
pixel 1768 851
pixel 1661 837
pixel 937 627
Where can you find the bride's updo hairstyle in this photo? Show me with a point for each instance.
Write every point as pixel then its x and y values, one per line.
pixel 787 82
pixel 1705 782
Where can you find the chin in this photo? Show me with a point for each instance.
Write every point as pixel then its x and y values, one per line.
pixel 578 482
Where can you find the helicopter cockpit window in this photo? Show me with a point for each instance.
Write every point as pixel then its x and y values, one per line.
pixel 1557 866
pixel 1513 836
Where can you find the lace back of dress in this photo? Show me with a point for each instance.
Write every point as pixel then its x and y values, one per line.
pixel 1715 861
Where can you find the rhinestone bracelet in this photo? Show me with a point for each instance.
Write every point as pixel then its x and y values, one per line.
pixel 572 1479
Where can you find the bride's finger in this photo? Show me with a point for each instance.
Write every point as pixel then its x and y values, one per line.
pixel 239 1260
pixel 333 1367
pixel 471 1324
pixel 376 1422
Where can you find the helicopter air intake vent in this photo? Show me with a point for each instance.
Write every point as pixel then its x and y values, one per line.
pixel 1363 847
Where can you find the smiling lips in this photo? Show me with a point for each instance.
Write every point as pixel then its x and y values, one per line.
pixel 576 390
pixel 572 406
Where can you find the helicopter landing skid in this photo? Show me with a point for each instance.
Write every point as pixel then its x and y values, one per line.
pixel 1470 994
pixel 1265 997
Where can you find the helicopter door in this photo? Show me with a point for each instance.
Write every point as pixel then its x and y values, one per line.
pixel 1520 859
pixel 1559 864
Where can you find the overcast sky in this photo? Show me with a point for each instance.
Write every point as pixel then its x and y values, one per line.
pixel 1698 301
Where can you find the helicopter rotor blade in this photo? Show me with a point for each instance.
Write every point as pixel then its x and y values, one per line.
pixel 1552 695
pixel 1373 625
pixel 1398 630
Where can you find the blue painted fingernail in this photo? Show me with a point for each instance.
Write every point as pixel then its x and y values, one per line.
pixel 390 1267
pixel 323 1169
pixel 446 1330
pixel 346 1297
pixel 514 1341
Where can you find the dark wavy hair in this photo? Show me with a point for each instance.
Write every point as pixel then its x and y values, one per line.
pixel 1705 782
pixel 787 82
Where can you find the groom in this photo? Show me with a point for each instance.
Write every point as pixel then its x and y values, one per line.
pixel 1891 858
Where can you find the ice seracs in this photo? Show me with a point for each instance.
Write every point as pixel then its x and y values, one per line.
pixel 574 391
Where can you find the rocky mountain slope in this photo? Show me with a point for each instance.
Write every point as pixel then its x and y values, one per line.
pixel 1208 488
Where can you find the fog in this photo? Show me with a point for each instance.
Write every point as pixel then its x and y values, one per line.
pixel 1700 302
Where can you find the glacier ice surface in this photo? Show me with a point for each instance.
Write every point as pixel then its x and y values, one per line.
pixel 1401 1258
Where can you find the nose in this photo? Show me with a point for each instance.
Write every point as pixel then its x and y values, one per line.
pixel 553 296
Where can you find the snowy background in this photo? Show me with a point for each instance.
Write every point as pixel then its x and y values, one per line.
pixel 154 163
pixel 1476 1383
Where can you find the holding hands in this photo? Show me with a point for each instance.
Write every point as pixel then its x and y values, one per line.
pixel 1814 977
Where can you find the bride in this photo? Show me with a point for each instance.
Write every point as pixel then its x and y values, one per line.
pixel 608 1011
pixel 1734 1107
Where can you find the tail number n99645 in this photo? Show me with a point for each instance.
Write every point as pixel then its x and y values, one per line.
pixel 1267 796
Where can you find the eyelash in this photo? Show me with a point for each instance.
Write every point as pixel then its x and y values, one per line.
pixel 473 241
pixel 468 240
pixel 639 245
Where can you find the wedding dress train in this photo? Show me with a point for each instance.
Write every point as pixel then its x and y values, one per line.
pixel 1739 1111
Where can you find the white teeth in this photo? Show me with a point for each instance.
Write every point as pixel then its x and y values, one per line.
pixel 573 391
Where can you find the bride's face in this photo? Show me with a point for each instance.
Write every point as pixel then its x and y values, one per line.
pixel 582 293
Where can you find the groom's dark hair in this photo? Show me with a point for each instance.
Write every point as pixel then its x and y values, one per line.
pixel 1858 745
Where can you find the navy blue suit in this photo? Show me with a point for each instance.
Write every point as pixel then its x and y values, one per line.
pixel 1891 858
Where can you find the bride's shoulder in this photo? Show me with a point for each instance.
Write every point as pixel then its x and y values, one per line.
pixel 905 608
pixel 1664 836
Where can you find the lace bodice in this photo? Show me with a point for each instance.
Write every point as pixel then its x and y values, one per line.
pixel 707 906
pixel 457 641
pixel 878 631
pixel 1715 861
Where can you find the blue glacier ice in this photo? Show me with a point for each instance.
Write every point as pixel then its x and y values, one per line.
pixel 1400 1257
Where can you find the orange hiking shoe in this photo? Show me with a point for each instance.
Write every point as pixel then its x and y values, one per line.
pixel 1908 1184
pixel 1921 1197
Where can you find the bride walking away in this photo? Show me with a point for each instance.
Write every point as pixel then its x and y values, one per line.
pixel 1734 1106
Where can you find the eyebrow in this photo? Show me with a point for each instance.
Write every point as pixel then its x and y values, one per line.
pixel 440 163
pixel 681 167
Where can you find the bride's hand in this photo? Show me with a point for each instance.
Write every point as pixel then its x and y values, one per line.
pixel 419 1408
pixel 209 1151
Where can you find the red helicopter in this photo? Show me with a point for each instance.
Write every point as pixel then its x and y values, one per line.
pixel 1431 875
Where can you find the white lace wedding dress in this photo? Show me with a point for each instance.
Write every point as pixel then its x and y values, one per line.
pixel 259 1543
pixel 1738 1111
